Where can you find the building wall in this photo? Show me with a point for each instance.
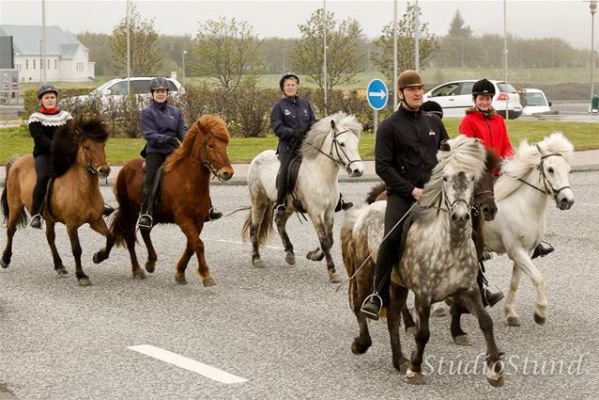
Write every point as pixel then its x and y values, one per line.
pixel 79 69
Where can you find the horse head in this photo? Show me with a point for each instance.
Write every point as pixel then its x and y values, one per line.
pixel 484 194
pixel 336 137
pixel 554 169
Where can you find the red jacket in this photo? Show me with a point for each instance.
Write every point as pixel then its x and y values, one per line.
pixel 488 128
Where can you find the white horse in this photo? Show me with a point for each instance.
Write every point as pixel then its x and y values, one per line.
pixel 529 180
pixel 331 143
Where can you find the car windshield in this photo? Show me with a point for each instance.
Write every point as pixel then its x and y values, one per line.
pixel 104 86
pixel 535 99
pixel 506 87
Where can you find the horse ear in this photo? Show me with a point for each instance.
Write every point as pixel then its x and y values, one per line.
pixel 445 146
pixel 541 151
pixel 333 123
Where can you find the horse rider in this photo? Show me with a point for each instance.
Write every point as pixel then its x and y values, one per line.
pixel 291 118
pixel 432 107
pixel 482 121
pixel 163 128
pixel 405 155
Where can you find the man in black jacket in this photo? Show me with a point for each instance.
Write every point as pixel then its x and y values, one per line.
pixel 405 154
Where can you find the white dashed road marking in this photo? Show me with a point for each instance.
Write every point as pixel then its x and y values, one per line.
pixel 188 364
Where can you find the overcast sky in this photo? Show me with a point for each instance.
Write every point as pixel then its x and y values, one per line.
pixel 568 19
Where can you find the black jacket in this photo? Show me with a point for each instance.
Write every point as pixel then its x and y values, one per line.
pixel 160 122
pixel 42 128
pixel 287 116
pixel 406 150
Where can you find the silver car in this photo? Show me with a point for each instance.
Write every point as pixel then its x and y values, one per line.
pixel 456 96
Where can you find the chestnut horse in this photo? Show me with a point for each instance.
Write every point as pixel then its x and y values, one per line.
pixel 184 196
pixel 78 161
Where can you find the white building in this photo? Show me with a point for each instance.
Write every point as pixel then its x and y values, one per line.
pixel 67 58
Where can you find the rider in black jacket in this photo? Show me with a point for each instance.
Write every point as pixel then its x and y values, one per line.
pixel 405 154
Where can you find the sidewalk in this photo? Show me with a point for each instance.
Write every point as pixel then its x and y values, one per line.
pixel 582 161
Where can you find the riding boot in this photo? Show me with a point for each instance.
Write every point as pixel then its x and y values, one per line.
pixel 371 307
pixel 542 249
pixel 145 220
pixel 489 298
pixel 281 204
pixel 107 210
pixel 36 222
pixel 213 214
pixel 343 205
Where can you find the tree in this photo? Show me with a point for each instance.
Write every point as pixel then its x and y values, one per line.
pixel 457 41
pixel 145 58
pixel 406 58
pixel 98 45
pixel 344 43
pixel 227 50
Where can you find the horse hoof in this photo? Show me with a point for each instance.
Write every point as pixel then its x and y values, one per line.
pixel 438 310
pixel 290 258
pixel 61 270
pixel 315 255
pixel 97 258
pixel 358 347
pixel 462 340
pixel 180 279
pixel 84 282
pixel 150 266
pixel 513 321
pixel 209 282
pixel 415 378
pixel 403 366
pixel 496 382
pixel 139 274
pixel 540 320
pixel 258 263
pixel 411 330
pixel 3 263
pixel 334 277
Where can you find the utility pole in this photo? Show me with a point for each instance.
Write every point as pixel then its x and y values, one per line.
pixel 44 46
pixel 395 90
pixel 505 51
pixel 128 49
pixel 417 37
pixel 324 64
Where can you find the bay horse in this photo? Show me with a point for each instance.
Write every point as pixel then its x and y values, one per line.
pixel 484 209
pixel 74 198
pixel 331 144
pixel 536 174
pixel 183 194
pixel 439 260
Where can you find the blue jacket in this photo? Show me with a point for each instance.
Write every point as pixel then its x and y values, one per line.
pixel 288 115
pixel 159 123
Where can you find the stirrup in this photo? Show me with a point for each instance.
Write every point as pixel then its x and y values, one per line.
pixel 280 210
pixel 36 222
pixel 213 215
pixel 142 225
pixel 107 210
pixel 489 298
pixel 372 312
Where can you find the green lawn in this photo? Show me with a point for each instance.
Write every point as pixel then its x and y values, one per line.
pixel 584 136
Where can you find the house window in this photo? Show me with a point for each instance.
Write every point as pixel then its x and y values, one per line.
pixel 26 63
pixel 19 67
pixel 55 64
pixel 33 62
pixel 48 63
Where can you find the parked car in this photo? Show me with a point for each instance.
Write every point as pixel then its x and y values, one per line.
pixel 534 102
pixel 456 96
pixel 113 91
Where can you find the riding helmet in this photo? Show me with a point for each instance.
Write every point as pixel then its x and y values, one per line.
pixel 409 78
pixel 158 83
pixel 46 88
pixel 484 87
pixel 288 76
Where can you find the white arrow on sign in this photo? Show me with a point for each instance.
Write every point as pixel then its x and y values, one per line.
pixel 380 94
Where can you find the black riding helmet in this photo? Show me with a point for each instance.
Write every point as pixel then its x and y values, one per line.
pixel 46 88
pixel 483 87
pixel 158 83
pixel 287 76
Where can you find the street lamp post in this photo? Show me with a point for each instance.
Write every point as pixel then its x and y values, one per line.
pixel 505 52
pixel 593 8
pixel 183 66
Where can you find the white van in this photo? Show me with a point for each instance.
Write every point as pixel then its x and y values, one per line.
pixel 534 101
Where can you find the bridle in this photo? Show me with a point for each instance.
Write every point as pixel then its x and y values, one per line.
pixel 342 159
pixel 207 164
pixel 548 188
pixel 476 203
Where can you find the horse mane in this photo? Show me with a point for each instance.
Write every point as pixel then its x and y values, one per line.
pixel 203 126
pixel 526 159
pixel 321 128
pixel 67 138
pixel 465 154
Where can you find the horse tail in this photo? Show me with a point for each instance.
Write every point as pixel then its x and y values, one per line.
pixel 347 242
pixel 22 220
pixel 121 223
pixel 265 225
pixel 375 192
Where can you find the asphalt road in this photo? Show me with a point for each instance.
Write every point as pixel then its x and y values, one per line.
pixel 283 329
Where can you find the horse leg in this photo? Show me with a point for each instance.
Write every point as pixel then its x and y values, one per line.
pixel 76 248
pixel 256 219
pixel 397 302
pixel 281 227
pixel 11 228
pixel 358 293
pixel 326 245
pixel 100 227
pixel 460 337
pixel 414 374
pixel 524 263
pixel 410 325
pixel 473 302
pixel 182 264
pixel 510 313
pixel 152 257
pixel 51 237
pixel 129 235
pixel 195 243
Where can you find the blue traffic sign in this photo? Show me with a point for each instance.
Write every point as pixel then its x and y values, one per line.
pixel 377 94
